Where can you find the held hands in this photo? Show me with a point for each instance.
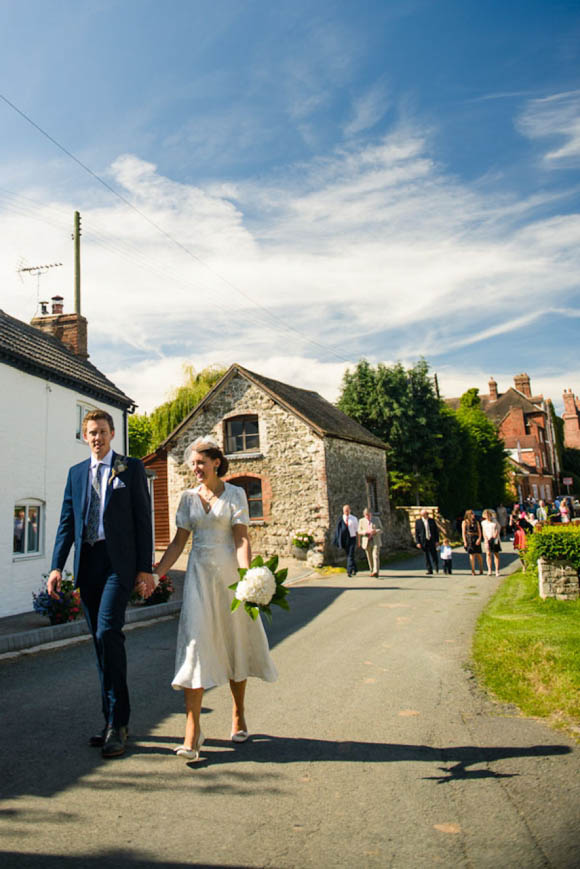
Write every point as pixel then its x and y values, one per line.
pixel 53 583
pixel 145 584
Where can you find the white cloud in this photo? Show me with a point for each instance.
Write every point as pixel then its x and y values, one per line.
pixel 297 276
pixel 555 117
pixel 368 109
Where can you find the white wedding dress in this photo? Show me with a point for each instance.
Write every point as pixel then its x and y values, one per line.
pixel 214 644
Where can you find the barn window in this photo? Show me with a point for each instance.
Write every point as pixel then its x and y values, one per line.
pixel 242 434
pixel 252 486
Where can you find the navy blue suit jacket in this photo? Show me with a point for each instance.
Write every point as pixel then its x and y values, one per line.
pixel 126 519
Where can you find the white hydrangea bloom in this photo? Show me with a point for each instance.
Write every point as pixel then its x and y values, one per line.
pixel 257 586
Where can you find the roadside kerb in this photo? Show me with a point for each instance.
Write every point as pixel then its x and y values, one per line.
pixel 55 633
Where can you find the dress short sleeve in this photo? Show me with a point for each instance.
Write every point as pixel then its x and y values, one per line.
pixel 239 503
pixel 183 515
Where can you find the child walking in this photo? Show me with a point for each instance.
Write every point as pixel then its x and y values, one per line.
pixel 446 556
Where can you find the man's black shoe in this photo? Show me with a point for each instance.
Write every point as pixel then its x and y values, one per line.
pixel 114 744
pixel 98 739
pixel 428 573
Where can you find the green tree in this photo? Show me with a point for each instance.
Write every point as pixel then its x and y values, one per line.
pixel 139 435
pixel 161 421
pixel 457 480
pixel 488 451
pixel 571 467
pixel 399 406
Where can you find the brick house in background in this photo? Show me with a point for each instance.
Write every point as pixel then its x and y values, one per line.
pixel 524 422
pixel 571 417
pixel 297 456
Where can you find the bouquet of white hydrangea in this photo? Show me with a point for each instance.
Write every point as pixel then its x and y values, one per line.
pixel 260 585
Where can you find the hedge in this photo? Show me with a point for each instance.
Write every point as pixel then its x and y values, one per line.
pixel 554 543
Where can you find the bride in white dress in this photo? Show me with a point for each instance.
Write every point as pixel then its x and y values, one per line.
pixel 214 645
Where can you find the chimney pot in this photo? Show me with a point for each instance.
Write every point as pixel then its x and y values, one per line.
pixel 492 389
pixel 522 384
pixel 57 304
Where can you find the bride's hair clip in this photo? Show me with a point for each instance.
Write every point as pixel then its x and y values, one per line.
pixel 200 445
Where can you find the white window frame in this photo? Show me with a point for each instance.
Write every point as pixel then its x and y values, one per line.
pixel 25 504
pixel 81 411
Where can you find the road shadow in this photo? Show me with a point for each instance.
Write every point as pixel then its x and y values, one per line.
pixel 273 750
pixel 106 860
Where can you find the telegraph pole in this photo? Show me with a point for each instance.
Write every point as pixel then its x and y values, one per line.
pixel 77 264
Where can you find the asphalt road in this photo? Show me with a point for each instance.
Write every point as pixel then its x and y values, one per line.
pixel 374 748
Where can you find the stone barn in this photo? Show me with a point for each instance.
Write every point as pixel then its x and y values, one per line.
pixel 297 456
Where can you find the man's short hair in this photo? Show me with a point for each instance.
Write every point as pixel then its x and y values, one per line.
pixel 97 414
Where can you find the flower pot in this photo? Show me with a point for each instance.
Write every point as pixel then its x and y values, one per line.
pixel 299 553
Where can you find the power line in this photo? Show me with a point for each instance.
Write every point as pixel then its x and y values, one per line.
pixel 167 235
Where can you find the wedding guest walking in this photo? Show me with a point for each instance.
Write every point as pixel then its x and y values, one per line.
pixel 490 530
pixel 106 515
pixel 370 532
pixel 542 512
pixel 446 556
pixel 471 533
pixel 214 645
pixel 427 539
pixel 345 537
pixel 502 518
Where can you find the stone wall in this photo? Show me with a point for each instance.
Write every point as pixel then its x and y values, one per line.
pixel 348 468
pixel 558 579
pixel 413 513
pixel 290 464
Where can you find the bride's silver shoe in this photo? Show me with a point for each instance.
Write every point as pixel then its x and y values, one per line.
pixel 191 754
pixel 240 735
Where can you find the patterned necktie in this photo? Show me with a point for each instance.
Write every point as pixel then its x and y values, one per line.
pixel 92 525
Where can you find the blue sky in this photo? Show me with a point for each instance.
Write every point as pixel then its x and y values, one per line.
pixel 334 180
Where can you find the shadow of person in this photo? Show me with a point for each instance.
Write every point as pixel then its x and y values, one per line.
pixel 262 748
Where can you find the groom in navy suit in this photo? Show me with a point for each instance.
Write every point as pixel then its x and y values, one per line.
pixel 106 514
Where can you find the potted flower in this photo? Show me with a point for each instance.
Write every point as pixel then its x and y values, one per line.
pixel 65 608
pixel 301 543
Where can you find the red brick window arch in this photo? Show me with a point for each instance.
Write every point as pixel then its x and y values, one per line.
pixel 242 434
pixel 258 493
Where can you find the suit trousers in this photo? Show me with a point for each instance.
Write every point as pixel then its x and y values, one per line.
pixel 431 561
pixel 105 600
pixel 350 552
pixel 373 553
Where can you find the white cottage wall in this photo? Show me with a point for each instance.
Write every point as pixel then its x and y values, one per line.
pixel 38 445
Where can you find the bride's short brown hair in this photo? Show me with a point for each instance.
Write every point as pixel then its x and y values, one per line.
pixel 215 453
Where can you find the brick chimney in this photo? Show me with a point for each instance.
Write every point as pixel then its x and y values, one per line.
pixel 71 329
pixel 492 389
pixel 571 417
pixel 522 384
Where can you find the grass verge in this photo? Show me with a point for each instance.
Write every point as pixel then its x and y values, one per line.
pixel 526 651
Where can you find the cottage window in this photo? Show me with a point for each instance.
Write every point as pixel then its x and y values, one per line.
pixel 252 486
pixel 81 412
pixel 242 434
pixel 372 497
pixel 28 518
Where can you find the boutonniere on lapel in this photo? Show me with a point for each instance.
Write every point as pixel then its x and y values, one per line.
pixel 119 465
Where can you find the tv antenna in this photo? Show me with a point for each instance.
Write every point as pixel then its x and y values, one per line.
pixel 38 272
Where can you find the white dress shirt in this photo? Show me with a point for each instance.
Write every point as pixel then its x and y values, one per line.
pixel 352 523
pixel 106 462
